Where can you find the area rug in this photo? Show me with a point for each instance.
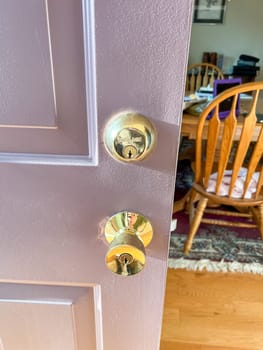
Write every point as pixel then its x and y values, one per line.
pixel 215 248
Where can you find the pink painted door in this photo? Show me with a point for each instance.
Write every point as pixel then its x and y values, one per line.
pixel 66 67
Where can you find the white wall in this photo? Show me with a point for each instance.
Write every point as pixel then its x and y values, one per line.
pixel 241 33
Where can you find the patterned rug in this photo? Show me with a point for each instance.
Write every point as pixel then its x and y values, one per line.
pixel 215 248
pixel 218 249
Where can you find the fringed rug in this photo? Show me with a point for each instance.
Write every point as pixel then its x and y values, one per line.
pixel 217 249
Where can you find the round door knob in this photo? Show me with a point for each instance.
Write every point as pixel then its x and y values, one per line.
pixel 128 234
pixel 129 136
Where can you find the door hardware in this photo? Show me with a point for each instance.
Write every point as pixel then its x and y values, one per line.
pixel 129 136
pixel 128 234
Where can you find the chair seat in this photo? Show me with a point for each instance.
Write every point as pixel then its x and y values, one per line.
pixel 242 202
pixel 238 189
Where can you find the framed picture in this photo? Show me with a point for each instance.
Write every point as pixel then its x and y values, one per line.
pixel 209 11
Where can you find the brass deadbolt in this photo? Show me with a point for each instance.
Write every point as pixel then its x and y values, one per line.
pixel 128 234
pixel 129 136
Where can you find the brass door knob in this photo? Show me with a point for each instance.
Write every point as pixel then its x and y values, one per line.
pixel 128 234
pixel 129 136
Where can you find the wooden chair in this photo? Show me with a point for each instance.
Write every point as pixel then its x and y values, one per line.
pixel 202 75
pixel 198 75
pixel 219 148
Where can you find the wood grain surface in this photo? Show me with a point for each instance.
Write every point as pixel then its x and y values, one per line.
pixel 212 311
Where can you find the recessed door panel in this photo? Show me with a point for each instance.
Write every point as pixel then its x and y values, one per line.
pixel 48 105
pixel 27 99
pixel 50 316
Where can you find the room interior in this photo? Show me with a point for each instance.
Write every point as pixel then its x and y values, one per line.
pixel 218 311
pixel 238 34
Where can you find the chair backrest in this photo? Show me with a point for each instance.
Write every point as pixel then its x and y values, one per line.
pixel 202 75
pixel 226 149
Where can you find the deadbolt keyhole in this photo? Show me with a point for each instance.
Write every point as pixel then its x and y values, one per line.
pixel 129 151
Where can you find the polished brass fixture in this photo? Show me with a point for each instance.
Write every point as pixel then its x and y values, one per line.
pixel 129 136
pixel 128 234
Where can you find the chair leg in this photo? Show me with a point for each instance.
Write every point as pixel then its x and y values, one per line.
pixel 257 214
pixel 190 205
pixel 195 223
pixel 260 219
pixel 181 203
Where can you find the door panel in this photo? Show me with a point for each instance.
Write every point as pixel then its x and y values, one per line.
pixel 48 316
pixel 54 205
pixel 26 99
pixel 48 105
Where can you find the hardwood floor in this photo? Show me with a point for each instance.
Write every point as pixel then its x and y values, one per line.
pixel 212 311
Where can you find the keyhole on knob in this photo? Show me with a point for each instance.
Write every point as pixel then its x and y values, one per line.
pixel 130 154
pixel 125 259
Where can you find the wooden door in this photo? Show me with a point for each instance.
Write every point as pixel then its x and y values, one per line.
pixel 66 67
